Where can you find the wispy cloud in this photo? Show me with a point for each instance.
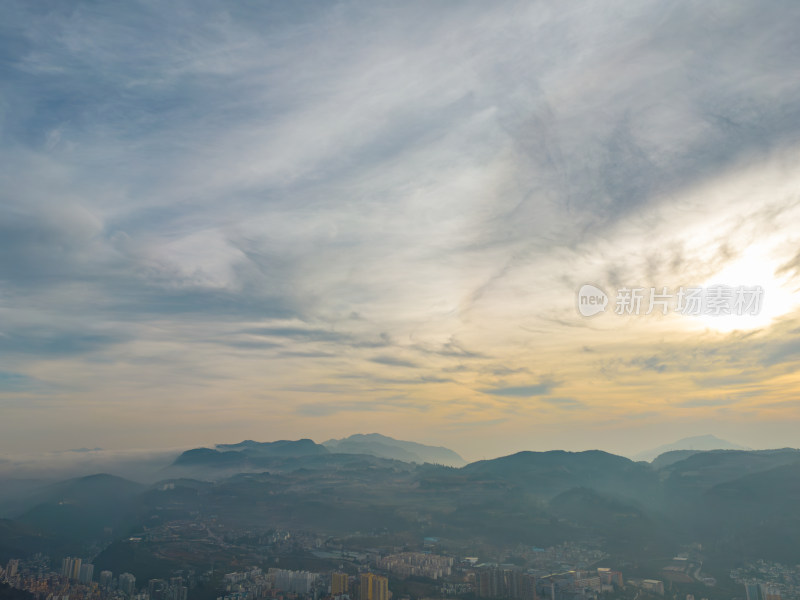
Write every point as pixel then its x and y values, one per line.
pixel 522 391
pixel 565 403
pixel 394 361
pixel 705 402
pixel 206 201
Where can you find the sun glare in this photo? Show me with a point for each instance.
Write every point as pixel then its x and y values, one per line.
pixel 750 271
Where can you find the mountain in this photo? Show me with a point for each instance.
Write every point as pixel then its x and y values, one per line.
pixel 754 516
pixel 303 447
pixel 737 504
pixel 382 446
pixel 698 442
pixel 210 458
pixel 702 470
pixel 85 508
pixel 16 495
pixel 669 458
pixel 548 474
pixel 18 540
pixel 622 524
pixel 247 454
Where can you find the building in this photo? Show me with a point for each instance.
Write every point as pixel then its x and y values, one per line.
pixel 373 587
pixel 496 582
pixel 71 568
pixel 297 582
pixel 157 589
pixel 772 593
pixel 11 568
pixel 106 577
pixel 422 564
pixel 76 568
pixel 653 585
pixel 584 581
pixel 177 591
pixel 339 583
pixel 609 577
pixel 753 591
pixel 127 584
pixel 86 573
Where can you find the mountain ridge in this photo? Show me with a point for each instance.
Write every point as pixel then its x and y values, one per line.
pixel 697 442
pixel 383 446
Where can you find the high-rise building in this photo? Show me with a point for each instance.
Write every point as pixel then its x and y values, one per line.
pixel 499 582
pixel 753 591
pixel 407 564
pixel 11 568
pixel 75 572
pixel 177 591
pixel 298 582
pixel 71 568
pixel 373 587
pixel 157 589
pixel 127 584
pixel 106 577
pixel 86 573
pixel 339 583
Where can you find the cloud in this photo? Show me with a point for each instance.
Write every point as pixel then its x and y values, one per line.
pixel 651 363
pixel 300 333
pixel 271 196
pixel 451 348
pixel 522 391
pixel 56 341
pixel 783 352
pixel 393 361
pixel 565 403
pixel 382 404
pixel 17 382
pixel 706 402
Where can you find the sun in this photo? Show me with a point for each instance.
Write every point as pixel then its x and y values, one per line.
pixel 757 273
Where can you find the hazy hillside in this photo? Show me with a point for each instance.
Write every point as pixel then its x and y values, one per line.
pixel 671 457
pixel 386 447
pixel 210 458
pixel 244 456
pixel 17 539
pixel 550 473
pixel 621 524
pixel 747 498
pixel 98 506
pixel 698 442
pixel 302 447
pixel 754 516
pixel 703 470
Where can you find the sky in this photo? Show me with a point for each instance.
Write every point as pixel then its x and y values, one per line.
pixel 278 220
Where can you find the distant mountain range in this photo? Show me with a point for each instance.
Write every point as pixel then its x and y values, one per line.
pixel 251 455
pixel 382 446
pixel 696 443
pixel 738 504
pixel 247 453
pixel 303 447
